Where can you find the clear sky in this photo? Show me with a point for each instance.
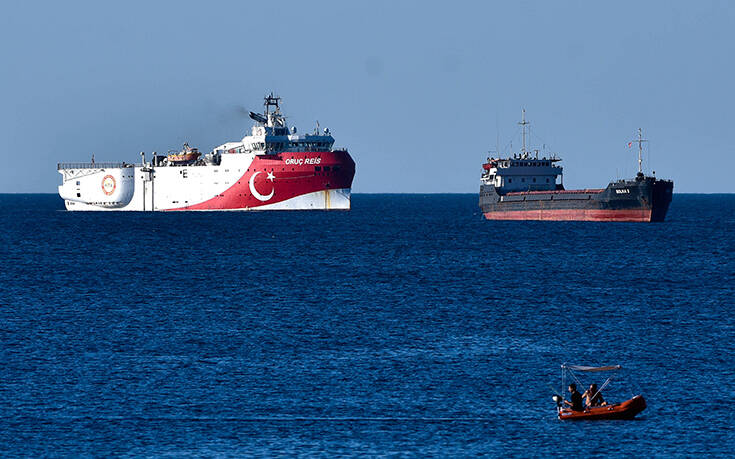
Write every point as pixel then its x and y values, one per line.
pixel 418 91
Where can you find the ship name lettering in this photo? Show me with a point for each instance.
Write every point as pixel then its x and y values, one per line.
pixel 301 161
pixel 623 191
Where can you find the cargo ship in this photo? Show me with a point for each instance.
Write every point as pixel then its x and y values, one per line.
pixel 273 168
pixel 524 186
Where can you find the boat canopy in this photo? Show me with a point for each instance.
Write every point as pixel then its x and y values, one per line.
pixel 590 369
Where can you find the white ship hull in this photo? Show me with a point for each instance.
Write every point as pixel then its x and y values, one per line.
pixel 239 182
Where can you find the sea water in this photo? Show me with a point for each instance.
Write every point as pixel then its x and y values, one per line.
pixel 408 325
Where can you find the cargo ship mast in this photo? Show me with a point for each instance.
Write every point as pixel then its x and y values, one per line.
pixel 640 150
pixel 523 124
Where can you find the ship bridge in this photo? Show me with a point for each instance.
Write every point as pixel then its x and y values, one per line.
pixel 271 134
pixel 523 171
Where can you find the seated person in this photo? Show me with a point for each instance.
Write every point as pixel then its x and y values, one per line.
pixel 576 397
pixel 593 397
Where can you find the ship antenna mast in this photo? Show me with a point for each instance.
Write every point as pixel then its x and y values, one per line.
pixel 523 124
pixel 271 101
pixel 640 150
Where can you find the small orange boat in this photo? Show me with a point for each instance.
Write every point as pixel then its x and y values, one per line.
pixel 625 410
pixel 185 156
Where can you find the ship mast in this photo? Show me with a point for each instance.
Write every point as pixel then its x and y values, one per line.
pixel 271 101
pixel 640 150
pixel 523 124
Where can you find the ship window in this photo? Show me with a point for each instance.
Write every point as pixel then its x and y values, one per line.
pixel 335 168
pixel 317 168
pixel 78 183
pixel 79 195
pixel 547 180
pixel 510 180
pixel 534 180
pixel 326 168
pixel 523 179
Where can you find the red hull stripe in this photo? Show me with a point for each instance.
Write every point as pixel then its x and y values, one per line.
pixel 595 215
pixel 289 180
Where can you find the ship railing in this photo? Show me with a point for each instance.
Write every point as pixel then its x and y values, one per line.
pixel 62 166
pixel 583 191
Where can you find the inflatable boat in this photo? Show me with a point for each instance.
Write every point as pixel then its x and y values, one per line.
pixel 624 410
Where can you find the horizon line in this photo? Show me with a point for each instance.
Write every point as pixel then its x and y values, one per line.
pixel 388 192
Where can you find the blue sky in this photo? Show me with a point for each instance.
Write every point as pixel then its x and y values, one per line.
pixel 418 91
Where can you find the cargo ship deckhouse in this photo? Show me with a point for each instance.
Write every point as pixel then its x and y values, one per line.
pixel 526 187
pixel 273 168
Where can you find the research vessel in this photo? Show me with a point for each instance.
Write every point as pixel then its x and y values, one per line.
pixel 272 168
pixel 524 186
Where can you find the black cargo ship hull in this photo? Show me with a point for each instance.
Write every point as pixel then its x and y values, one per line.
pixel 645 199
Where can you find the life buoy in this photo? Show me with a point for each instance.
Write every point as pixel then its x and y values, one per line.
pixel 108 184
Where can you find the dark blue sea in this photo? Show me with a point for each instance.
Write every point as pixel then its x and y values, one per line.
pixel 408 326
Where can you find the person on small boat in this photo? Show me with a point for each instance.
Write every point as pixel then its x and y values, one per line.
pixel 593 397
pixel 576 397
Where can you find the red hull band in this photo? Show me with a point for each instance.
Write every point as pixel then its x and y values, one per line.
pixel 593 215
pixel 288 180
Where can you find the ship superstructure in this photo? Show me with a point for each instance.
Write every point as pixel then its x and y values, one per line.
pixel 273 168
pixel 523 186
